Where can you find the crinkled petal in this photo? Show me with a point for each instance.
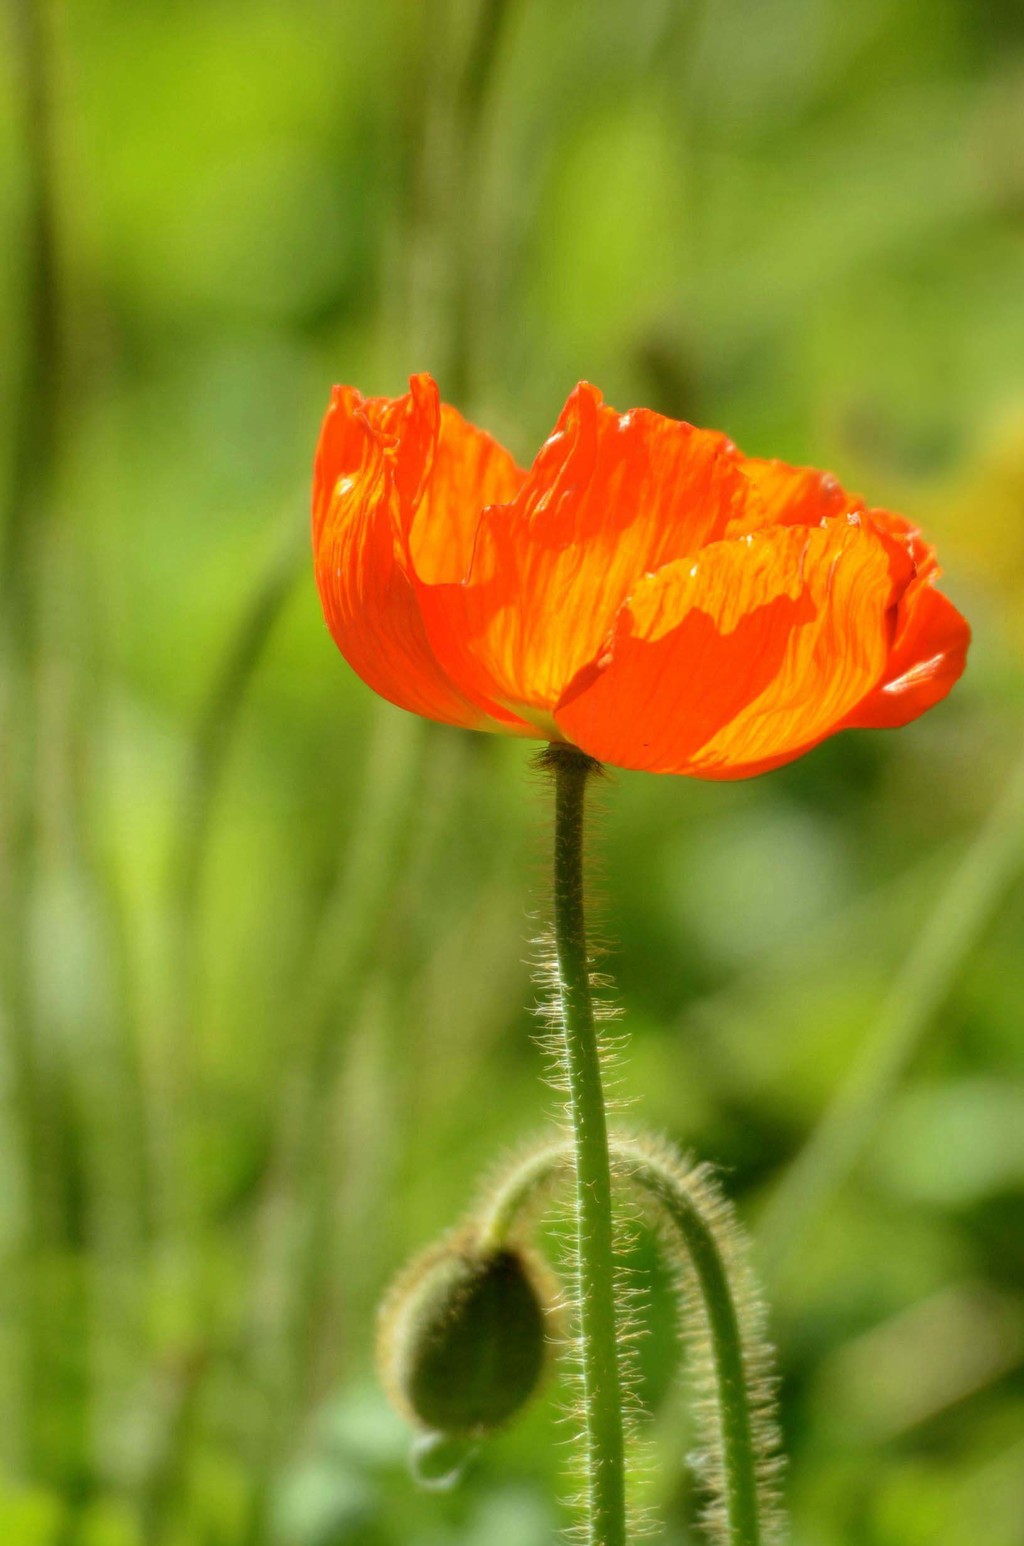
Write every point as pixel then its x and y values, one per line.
pixel 931 638
pixel 929 650
pixel 894 525
pixel 928 656
pixel 469 471
pixel 743 658
pixel 792 496
pixel 395 477
pixel 644 590
pixel 609 498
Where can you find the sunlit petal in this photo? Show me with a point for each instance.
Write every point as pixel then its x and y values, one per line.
pixel 393 476
pixel 644 590
pixel 610 497
pixel 747 656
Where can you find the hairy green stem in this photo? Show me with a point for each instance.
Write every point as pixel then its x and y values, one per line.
pixel 723 1317
pixel 517 1189
pixel 595 1268
pixel 654 1174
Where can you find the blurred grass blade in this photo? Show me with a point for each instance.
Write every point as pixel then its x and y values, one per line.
pixel 290 1250
pixel 44 1297
pixel 951 931
pixel 466 190
pixel 218 716
pixel 34 404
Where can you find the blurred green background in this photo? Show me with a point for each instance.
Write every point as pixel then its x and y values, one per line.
pixel 264 1000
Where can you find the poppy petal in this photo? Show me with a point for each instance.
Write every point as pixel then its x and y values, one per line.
pixel 929 650
pixel 746 657
pixel 793 496
pixel 469 471
pixel 711 614
pixel 928 656
pixel 906 532
pixel 390 476
pixel 609 498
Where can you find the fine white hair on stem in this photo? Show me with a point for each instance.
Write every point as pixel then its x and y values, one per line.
pixel 684 1202
pixel 552 1038
pixel 730 1361
pixel 675 1189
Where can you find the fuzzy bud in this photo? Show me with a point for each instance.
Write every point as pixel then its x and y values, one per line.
pixel 462 1341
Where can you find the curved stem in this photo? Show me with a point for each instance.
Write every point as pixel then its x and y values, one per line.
pixel 602 1386
pixel 692 1215
pixel 517 1188
pixel 724 1320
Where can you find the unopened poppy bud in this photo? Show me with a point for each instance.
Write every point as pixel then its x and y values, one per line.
pixel 462 1337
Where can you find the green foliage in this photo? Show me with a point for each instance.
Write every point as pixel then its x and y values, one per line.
pixel 230 1107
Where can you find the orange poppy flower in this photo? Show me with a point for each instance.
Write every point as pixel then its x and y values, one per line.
pixel 644 592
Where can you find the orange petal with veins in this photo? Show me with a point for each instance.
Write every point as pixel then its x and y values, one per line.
pixel 610 497
pixel 792 496
pixel 644 590
pixel 397 482
pixel 734 663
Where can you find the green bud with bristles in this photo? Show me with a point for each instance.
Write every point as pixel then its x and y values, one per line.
pixel 463 1336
